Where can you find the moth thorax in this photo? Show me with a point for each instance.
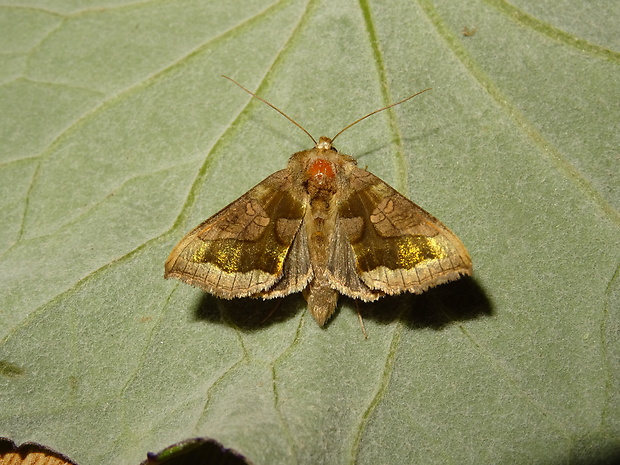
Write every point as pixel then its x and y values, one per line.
pixel 321 171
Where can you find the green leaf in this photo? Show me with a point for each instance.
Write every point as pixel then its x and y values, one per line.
pixel 118 136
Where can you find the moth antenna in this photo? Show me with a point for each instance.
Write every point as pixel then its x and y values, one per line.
pixel 280 111
pixel 377 111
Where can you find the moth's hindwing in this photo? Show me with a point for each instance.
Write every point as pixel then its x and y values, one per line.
pixel 241 250
pixel 398 246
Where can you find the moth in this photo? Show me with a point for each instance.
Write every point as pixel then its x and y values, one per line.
pixel 324 227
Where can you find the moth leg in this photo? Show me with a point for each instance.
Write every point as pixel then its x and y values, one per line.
pixel 359 315
pixel 271 312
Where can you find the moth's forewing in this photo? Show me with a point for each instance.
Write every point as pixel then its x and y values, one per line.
pixel 297 270
pixel 241 250
pixel 398 247
pixel 343 267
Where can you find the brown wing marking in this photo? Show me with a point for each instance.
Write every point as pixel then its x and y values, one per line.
pixel 397 245
pixel 241 250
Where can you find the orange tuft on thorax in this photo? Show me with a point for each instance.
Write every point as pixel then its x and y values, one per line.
pixel 321 170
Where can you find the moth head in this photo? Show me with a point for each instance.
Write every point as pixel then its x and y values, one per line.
pixel 325 143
